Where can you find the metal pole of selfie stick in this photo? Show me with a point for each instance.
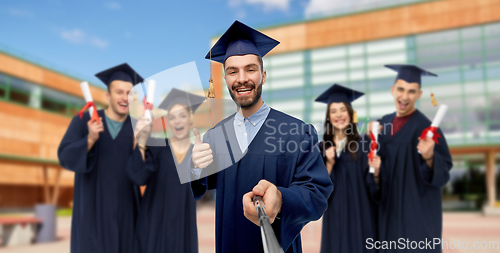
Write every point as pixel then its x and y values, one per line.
pixel 269 240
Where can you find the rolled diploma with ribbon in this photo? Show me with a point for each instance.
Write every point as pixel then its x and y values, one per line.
pixel 375 129
pixel 429 132
pixel 87 95
pixel 150 99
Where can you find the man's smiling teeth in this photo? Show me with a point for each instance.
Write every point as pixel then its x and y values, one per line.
pixel 403 105
pixel 123 104
pixel 243 90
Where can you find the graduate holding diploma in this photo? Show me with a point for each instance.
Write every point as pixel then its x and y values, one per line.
pixel 105 200
pixel 293 182
pixel 94 116
pixel 413 169
pixel 350 217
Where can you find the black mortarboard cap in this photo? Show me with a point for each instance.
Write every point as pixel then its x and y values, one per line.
pixel 337 94
pixel 410 73
pixel 121 72
pixel 241 39
pixel 176 96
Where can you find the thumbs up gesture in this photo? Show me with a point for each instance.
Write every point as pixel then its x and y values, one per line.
pixel 202 154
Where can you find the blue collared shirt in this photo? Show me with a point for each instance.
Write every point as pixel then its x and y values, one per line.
pixel 247 128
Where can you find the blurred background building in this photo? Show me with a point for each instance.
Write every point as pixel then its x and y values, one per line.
pixel 457 39
pixel 36 106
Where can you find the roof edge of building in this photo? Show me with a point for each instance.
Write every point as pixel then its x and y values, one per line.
pixel 48 69
pixel 304 21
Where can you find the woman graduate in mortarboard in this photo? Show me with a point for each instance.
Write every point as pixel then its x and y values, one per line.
pixel 167 215
pixel 350 218
pixel 105 200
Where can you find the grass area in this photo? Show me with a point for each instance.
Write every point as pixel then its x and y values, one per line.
pixel 64 212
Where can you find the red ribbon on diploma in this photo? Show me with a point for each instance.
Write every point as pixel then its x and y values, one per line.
pixel 432 129
pixel 95 116
pixel 373 146
pixel 147 105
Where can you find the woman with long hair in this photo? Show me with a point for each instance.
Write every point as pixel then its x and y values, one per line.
pixel 167 212
pixel 350 218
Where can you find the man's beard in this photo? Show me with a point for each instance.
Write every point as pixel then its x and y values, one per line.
pixel 248 103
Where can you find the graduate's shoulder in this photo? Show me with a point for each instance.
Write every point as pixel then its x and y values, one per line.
pixel 220 124
pixel 284 121
pixel 283 117
pixel 224 121
pixel 422 119
pixel 387 117
pixel 273 114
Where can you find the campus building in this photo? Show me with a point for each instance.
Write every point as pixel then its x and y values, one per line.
pixel 36 107
pixel 457 39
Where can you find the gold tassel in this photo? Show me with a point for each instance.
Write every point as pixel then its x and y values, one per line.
pixel 433 99
pixel 354 117
pixel 211 90
pixel 434 102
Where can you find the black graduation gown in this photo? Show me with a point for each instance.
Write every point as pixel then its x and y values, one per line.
pixel 299 174
pixel 409 198
pixel 351 215
pixel 167 214
pixel 105 201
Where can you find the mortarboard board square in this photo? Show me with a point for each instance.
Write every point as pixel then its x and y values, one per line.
pixel 240 39
pixel 176 96
pixel 409 73
pixel 337 94
pixel 121 72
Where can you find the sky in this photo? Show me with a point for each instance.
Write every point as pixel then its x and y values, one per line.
pixel 81 38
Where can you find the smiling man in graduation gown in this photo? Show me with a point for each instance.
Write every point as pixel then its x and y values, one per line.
pixel 409 192
pixel 105 200
pixel 257 151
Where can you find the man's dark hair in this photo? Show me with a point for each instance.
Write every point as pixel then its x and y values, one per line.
pixel 395 81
